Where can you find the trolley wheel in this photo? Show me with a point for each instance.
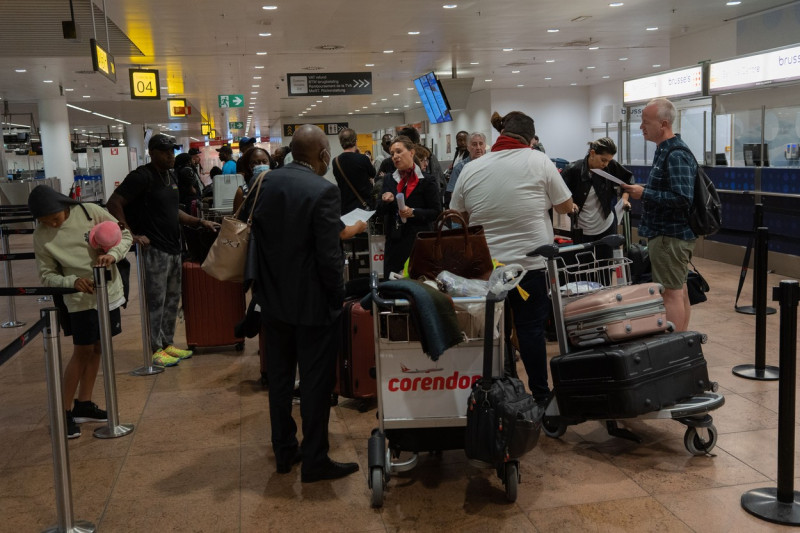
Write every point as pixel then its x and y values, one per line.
pixel 553 426
pixel 239 346
pixel 511 480
pixel 376 483
pixel 696 444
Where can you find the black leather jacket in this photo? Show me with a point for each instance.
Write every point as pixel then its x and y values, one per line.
pixel 580 180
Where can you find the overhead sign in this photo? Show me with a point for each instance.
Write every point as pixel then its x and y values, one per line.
pixel 235 125
pixel 683 82
pixel 178 108
pixel 102 61
pixel 144 84
pixel 760 69
pixel 330 128
pixel 231 100
pixel 330 84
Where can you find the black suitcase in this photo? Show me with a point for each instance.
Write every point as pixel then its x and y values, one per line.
pixel 630 379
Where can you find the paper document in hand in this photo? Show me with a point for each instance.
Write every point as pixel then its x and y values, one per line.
pixel 401 204
pixel 608 176
pixel 619 208
pixel 355 215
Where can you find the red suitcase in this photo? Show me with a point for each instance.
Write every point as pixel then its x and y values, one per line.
pixel 616 315
pixel 355 369
pixel 211 308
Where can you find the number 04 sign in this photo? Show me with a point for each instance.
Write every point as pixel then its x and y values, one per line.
pixel 144 84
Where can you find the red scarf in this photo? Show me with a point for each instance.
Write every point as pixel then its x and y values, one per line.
pixel 408 181
pixel 507 143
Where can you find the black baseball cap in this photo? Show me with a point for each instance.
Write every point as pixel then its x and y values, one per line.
pixel 225 148
pixel 246 141
pixel 161 142
pixel 194 151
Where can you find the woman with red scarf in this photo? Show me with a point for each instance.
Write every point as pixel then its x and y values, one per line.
pixel 422 205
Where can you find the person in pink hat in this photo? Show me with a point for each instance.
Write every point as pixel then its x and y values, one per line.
pixel 70 239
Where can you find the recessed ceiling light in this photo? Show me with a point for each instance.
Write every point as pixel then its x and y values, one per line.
pixel 86 96
pixel 319 101
pixel 417 102
pixel 413 33
pixel 357 110
pixel 594 48
pixel 363 107
pixel 652 28
pixel 734 3
pixel 350 113
pixel 406 105
pixel 488 80
pixel 548 78
pixel 326 96
pixel 520 85
pixel 253 98
pixel 373 103
pixel 616 4
pixel 590 67
pixel 256 77
pixel 269 8
pixel 259 66
pixel 508 49
pixel 553 30
pixel 395 94
pixel 623 58
pixel 573 84
pixel 474 63
pixel 396 109
pixel 265 34
pixel 261 53
pixel 47 81
pixel 388 51
pixel 656 66
pixel 255 86
pixel 253 92
pixel 409 88
pixel 384 99
pixel 514 72
pixel 313 105
pixel 370 65
pixel 20 70
pixel 385 112
pixel 606 77
pixel 549 60
pixel 450 6
pixel 69 90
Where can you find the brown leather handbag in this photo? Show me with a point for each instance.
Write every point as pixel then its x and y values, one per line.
pixel 462 251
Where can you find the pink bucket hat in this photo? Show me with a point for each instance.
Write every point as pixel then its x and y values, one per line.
pixel 105 235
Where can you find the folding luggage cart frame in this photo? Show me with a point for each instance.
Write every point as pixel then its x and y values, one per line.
pixel 422 403
pixel 701 435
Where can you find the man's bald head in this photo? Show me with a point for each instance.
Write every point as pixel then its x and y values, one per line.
pixel 310 145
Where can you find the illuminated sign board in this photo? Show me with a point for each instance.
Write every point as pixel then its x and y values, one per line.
pixel 775 66
pixel 683 82
pixel 103 62
pixel 178 108
pixel 144 84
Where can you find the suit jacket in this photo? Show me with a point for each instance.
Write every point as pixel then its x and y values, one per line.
pixel 298 270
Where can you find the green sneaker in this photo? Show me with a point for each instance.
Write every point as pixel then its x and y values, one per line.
pixel 177 352
pixel 162 358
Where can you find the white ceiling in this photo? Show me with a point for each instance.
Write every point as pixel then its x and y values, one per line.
pixel 204 48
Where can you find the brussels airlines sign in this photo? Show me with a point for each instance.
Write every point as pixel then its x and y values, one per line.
pixel 760 69
pixel 684 82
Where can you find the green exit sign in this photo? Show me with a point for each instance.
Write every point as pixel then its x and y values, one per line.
pixel 236 125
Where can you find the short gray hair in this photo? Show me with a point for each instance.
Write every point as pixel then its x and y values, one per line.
pixel 477 134
pixel 665 110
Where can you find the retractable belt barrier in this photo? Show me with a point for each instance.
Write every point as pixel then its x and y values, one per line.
pixel 23 340
pixel 16 220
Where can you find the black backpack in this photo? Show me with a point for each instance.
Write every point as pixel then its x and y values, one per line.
pixel 705 213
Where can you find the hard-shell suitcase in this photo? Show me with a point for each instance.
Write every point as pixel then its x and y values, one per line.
pixel 225 186
pixel 211 308
pixel 637 253
pixel 630 379
pixel 617 314
pixel 355 369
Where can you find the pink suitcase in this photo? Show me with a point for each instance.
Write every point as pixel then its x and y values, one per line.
pixel 616 314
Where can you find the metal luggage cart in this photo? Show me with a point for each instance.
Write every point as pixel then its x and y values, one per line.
pixel 570 281
pixel 422 403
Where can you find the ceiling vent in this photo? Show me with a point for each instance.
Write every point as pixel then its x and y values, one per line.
pixel 329 47
pixel 579 44
pixel 311 68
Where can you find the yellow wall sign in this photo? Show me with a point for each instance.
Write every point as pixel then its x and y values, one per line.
pixel 144 84
pixel 177 107
pixel 102 61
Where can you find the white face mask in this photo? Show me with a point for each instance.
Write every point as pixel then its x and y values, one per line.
pixel 258 169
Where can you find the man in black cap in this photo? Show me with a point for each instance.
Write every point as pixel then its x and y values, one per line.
pixel 197 169
pixel 245 144
pixel 147 203
pixel 226 157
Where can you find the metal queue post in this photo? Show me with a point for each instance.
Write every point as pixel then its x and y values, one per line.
pixel 12 308
pixel 58 430
pixel 781 505
pixel 113 429
pixel 760 370
pixel 758 221
pixel 149 368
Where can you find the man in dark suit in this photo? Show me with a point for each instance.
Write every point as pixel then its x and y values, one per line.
pixel 298 282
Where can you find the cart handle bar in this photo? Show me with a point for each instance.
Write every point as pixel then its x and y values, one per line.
pixel 550 251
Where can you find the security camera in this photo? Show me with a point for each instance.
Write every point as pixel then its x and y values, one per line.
pixel 283 78
pixel 277 86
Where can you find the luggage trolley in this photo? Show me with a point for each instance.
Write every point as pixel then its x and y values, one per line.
pixel 422 403
pixel 570 281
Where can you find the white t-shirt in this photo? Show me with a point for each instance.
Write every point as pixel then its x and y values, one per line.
pixel 509 193
pixel 591 219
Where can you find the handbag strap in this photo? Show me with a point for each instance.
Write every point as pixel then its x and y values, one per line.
pixel 441 219
pixel 339 166
pixel 257 187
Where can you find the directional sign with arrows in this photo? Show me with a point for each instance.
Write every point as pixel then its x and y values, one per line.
pixel 231 100
pixel 330 84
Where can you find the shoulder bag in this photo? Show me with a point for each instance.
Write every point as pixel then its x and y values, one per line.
pixel 364 205
pixel 227 257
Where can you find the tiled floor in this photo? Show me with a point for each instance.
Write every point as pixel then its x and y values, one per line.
pixel 199 458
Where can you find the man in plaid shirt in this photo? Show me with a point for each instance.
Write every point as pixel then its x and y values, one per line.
pixel 666 200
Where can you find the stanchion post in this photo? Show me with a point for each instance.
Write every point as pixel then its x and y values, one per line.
pixel 760 370
pixel 58 428
pixel 781 505
pixel 148 368
pixel 113 428
pixel 12 307
pixel 758 221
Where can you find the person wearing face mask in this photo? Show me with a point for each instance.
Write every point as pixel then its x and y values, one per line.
pixel 297 278
pixel 253 163
pixel 422 205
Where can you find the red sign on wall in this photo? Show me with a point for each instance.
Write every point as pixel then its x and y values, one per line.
pixel 115 151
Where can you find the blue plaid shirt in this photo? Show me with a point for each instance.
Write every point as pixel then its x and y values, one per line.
pixel 669 193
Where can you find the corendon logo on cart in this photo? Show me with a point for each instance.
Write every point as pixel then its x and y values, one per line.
pixel 454 382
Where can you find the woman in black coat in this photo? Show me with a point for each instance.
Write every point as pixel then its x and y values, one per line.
pixel 422 205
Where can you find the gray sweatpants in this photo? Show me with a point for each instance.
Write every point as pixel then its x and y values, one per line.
pixel 163 291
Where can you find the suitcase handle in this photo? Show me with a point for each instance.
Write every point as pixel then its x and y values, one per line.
pixel 549 251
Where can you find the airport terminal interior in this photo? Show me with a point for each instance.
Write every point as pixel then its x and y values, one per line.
pixel 85 83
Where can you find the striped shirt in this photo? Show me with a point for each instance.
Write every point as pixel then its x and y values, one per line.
pixel 668 194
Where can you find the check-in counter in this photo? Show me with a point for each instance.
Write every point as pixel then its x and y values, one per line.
pixel 15 192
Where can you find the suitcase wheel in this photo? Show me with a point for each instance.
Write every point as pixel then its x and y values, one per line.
pixel 553 426
pixel 239 346
pixel 511 480
pixel 700 441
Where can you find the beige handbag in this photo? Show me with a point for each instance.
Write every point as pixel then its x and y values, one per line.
pixel 227 257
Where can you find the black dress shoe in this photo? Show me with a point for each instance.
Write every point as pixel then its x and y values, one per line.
pixel 286 467
pixel 332 470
